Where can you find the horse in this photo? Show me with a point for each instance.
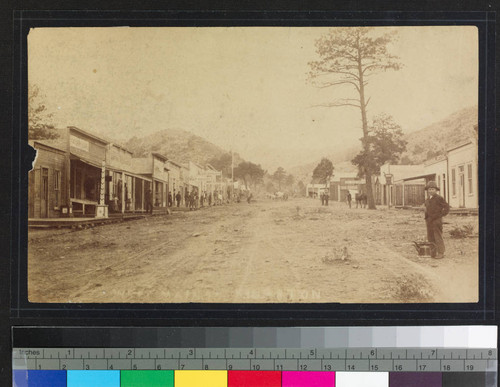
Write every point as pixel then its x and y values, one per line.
pixel 278 195
pixel 361 199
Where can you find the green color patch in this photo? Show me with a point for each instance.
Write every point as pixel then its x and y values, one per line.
pixel 147 379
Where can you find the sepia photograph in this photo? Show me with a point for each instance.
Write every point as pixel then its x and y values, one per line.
pixel 253 165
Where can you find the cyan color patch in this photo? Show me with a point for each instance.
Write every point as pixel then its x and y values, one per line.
pixel 94 378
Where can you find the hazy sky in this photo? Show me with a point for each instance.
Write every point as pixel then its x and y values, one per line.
pixel 242 88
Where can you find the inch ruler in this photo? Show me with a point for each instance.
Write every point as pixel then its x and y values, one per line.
pixel 259 359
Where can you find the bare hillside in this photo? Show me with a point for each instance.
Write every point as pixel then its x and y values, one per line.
pixel 176 144
pixel 434 139
pixel 422 144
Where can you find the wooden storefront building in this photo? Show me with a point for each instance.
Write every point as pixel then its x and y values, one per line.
pixel 175 181
pixel 47 187
pixel 74 162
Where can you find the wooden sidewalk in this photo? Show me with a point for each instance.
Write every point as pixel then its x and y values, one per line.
pixel 85 222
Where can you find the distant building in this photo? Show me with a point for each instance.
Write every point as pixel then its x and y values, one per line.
pixel 196 176
pixel 314 190
pixel 344 182
pixel 213 179
pixel 455 173
pixel 119 178
pixel 392 188
pixel 153 168
pixel 175 180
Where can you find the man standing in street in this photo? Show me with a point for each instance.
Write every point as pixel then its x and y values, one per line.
pixel 149 202
pixel 349 198
pixel 435 208
pixel 178 198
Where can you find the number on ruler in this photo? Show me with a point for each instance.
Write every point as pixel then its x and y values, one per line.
pixel 256 367
pixel 446 367
pixel 421 367
pixel 469 367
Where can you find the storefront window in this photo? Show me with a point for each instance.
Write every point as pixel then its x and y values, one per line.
pixel 453 182
pixel 469 177
pixel 57 185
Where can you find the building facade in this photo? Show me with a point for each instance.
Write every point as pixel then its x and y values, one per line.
pixel 455 173
pixel 47 186
pixel 79 166
pixel 463 177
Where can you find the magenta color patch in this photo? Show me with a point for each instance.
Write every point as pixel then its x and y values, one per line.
pixel 307 379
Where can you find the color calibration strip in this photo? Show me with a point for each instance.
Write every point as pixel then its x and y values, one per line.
pixel 113 378
pixel 263 337
pixel 445 356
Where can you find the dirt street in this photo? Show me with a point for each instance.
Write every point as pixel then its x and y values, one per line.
pixel 266 251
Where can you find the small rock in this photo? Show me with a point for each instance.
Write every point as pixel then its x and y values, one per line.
pixel 196 234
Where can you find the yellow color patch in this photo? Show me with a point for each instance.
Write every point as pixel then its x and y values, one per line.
pixel 200 378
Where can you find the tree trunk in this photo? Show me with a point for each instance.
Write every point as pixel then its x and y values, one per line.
pixel 366 145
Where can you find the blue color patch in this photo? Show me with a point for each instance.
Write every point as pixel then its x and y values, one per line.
pixel 38 378
pixel 93 378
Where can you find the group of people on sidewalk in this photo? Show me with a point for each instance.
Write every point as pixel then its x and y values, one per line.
pixel 193 200
pixel 325 197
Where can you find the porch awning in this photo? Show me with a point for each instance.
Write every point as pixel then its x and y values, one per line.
pixel 145 178
pixel 85 160
pixel 418 177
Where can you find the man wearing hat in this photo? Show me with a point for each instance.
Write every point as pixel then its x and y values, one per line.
pixel 435 208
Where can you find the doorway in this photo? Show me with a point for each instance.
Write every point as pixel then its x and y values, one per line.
pixel 44 197
pixel 461 187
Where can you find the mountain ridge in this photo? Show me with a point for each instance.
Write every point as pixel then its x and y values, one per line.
pixel 422 144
